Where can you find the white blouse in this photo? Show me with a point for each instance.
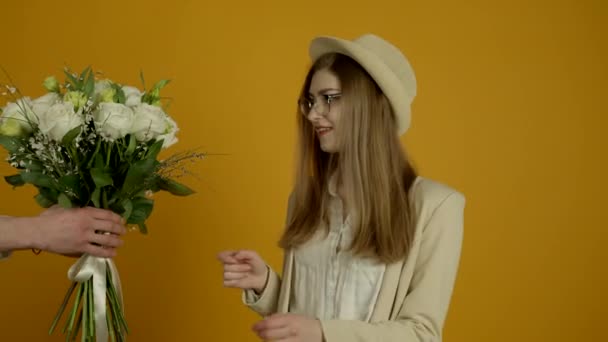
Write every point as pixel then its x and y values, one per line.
pixel 330 282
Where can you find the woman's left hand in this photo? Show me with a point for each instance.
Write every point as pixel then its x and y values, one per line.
pixel 289 328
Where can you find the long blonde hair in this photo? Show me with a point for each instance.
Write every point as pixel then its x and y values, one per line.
pixel 374 170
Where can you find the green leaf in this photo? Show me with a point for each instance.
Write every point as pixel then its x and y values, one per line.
pixel 11 144
pixel 72 79
pixel 99 162
pixel 89 83
pixel 43 201
pixel 128 207
pixel 160 85
pixel 64 201
pixel 143 81
pixel 49 193
pixel 174 187
pixel 14 180
pixel 154 150
pixel 94 156
pixel 95 197
pixel 38 179
pixel 112 202
pixel 69 137
pixel 153 96
pixel 34 165
pixel 84 73
pixel 153 184
pixel 71 183
pixel 101 177
pixel 89 87
pixel 142 208
pixel 143 228
pixel 119 95
pixel 132 145
pixel 137 173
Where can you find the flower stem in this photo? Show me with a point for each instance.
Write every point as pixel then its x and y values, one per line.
pixel 63 306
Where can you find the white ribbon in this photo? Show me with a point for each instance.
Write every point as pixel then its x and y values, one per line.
pixel 85 268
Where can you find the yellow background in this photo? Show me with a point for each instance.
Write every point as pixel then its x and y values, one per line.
pixel 512 110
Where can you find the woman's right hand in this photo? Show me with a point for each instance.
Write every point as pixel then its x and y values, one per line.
pixel 244 269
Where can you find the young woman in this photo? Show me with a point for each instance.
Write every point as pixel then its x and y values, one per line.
pixel 371 248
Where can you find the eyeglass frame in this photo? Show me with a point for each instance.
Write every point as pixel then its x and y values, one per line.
pixel 307 103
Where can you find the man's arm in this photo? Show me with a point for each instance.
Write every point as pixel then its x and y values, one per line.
pixel 18 233
pixel 64 231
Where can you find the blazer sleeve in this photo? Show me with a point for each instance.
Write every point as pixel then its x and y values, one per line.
pixel 425 307
pixel 265 303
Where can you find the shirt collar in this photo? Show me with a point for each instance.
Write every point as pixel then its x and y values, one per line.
pixel 332 184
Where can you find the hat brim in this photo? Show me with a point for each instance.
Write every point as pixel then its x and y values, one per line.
pixel 378 70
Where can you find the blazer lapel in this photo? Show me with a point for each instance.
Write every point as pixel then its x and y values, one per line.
pixel 283 305
pixel 383 310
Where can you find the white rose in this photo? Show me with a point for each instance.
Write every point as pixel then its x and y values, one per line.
pixel 113 120
pixel 20 111
pixel 169 135
pixel 42 104
pixel 149 122
pixel 59 119
pixel 132 96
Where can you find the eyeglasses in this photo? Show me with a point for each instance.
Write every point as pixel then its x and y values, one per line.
pixel 324 106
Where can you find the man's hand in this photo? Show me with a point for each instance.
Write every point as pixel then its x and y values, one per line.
pixel 78 230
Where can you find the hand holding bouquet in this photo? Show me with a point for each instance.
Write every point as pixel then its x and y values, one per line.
pixel 93 142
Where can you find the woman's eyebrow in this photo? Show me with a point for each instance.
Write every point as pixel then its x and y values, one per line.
pixel 325 90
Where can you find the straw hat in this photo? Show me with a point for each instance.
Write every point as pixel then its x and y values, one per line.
pixel 385 64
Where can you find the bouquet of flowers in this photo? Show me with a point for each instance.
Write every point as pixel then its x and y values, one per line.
pixel 93 142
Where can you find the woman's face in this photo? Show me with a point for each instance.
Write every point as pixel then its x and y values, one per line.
pixel 322 108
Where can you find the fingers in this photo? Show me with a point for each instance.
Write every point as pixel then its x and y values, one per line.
pixel 246 255
pixel 275 327
pixel 236 271
pixel 230 276
pixel 227 257
pixel 238 268
pixel 108 226
pixel 102 214
pixel 272 322
pixel 252 258
pixel 103 245
pixel 276 334
pixel 105 240
pixel 99 251
pixel 235 274
pixel 287 339
pixel 237 257
pixel 234 284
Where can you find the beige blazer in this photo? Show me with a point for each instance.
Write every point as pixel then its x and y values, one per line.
pixel 415 293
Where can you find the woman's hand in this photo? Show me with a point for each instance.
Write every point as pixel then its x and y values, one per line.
pixel 244 269
pixel 289 328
